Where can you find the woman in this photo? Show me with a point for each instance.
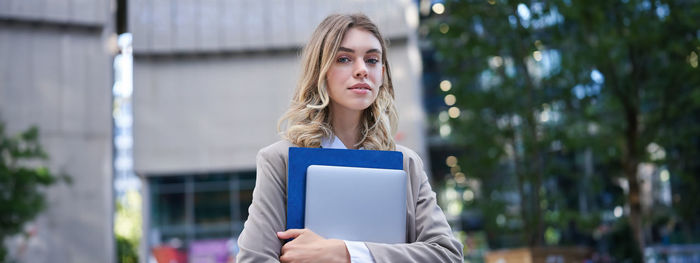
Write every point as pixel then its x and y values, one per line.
pixel 345 99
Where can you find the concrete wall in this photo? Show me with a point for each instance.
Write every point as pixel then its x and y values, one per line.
pixel 166 26
pixel 211 78
pixel 71 12
pixel 208 114
pixel 56 74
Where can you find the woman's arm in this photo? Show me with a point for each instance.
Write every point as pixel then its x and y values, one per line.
pixel 434 241
pixel 307 246
pixel 261 238
pixel 266 216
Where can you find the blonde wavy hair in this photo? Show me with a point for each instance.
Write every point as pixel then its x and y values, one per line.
pixel 308 119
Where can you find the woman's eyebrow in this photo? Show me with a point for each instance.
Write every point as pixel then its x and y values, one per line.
pixel 374 50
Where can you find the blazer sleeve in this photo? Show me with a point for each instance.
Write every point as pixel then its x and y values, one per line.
pixel 258 241
pixel 434 240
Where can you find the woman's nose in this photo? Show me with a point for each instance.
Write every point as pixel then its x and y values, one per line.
pixel 360 70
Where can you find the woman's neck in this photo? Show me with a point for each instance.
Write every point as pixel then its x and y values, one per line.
pixel 346 125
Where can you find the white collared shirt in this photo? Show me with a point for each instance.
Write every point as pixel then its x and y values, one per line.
pixel 359 252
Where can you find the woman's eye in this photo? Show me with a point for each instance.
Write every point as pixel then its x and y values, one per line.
pixel 373 61
pixel 343 60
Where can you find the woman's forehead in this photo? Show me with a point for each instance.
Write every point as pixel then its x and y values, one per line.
pixel 360 40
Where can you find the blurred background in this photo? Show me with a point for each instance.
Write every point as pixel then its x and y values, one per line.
pixel 552 131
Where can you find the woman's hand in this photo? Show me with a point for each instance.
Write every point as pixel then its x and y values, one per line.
pixel 307 246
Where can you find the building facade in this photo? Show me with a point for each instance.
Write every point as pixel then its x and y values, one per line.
pixel 55 73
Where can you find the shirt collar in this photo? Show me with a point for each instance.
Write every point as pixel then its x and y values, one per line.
pixel 332 143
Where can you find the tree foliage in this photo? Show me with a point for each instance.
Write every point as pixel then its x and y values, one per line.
pixel 22 180
pixel 571 92
pixel 128 227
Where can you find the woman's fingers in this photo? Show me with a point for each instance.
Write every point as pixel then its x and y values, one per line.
pixel 290 233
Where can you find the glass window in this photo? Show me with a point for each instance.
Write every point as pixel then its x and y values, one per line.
pixel 194 208
pixel 245 198
pixel 212 207
pixel 170 209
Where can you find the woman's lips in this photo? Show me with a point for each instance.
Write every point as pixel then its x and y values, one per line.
pixel 360 88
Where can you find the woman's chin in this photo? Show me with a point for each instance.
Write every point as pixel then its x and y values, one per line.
pixel 355 105
pixel 360 106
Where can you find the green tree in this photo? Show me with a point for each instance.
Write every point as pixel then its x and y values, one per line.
pixel 539 80
pixel 647 51
pixel 127 227
pixel 22 180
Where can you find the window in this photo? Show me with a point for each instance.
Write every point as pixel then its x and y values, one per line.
pixel 196 208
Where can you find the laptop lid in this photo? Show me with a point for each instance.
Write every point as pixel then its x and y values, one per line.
pixel 356 204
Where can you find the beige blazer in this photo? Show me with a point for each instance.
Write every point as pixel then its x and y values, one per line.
pixel 429 237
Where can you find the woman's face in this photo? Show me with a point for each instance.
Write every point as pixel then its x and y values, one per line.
pixel 354 78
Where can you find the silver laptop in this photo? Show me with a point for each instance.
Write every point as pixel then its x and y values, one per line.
pixel 356 204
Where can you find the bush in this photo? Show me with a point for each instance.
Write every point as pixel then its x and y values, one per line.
pixel 126 252
pixel 22 178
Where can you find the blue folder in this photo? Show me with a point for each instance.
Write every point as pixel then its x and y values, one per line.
pixel 301 158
